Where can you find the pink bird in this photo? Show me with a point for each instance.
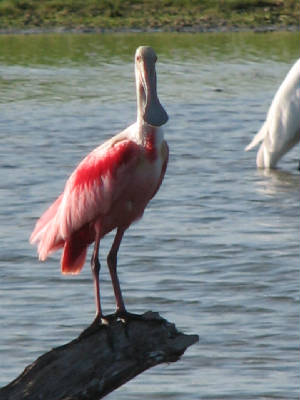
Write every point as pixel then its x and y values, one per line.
pixel 110 188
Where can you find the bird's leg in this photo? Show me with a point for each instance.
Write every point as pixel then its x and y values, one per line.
pixel 95 265
pixel 112 266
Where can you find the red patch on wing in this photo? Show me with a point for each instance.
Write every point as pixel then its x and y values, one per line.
pixel 92 167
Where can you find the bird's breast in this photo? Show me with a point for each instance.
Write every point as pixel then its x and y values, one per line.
pixel 151 145
pixel 140 188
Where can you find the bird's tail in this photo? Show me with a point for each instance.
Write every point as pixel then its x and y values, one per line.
pixel 48 237
pixel 46 232
pixel 74 253
pixel 257 138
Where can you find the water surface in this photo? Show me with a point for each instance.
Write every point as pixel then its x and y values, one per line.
pixel 217 251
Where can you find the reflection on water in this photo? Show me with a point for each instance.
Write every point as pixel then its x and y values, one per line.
pixel 217 251
pixel 278 181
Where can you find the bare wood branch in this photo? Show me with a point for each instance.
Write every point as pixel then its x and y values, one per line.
pixel 100 360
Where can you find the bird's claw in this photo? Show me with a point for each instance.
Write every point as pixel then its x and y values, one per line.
pixel 106 322
pixel 125 316
pixel 122 316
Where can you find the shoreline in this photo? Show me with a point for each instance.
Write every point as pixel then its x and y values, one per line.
pixel 113 16
pixel 214 28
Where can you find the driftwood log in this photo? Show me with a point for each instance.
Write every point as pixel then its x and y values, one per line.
pixel 100 360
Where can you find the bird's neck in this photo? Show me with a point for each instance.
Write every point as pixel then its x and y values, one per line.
pixel 148 135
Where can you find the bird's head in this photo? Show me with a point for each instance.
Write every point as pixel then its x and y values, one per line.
pixel 149 107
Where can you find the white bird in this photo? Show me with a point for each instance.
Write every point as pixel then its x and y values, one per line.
pixel 281 129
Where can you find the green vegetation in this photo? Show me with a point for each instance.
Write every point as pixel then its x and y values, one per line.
pixel 148 14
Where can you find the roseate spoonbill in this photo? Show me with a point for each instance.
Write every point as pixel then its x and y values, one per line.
pixel 110 188
pixel 281 130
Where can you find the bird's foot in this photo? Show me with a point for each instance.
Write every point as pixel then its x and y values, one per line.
pixel 98 323
pixel 122 316
pixel 125 316
pixel 104 322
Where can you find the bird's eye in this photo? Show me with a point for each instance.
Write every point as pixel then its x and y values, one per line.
pixel 138 58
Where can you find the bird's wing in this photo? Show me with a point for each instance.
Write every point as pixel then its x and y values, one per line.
pixel 95 184
pixel 258 137
pixel 44 220
pixel 281 128
pixel 283 116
